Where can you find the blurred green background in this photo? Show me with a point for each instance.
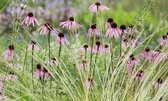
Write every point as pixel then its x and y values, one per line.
pixel 148 14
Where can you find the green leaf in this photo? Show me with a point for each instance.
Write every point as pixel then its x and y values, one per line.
pixel 3 4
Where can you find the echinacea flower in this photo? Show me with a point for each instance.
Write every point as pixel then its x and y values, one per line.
pixel 83 66
pixel 9 53
pixel 140 75
pixel 98 48
pixel 70 24
pixel 53 61
pixel 131 64
pixel 46 74
pixel 61 40
pixel 158 83
pixel 106 48
pixel 164 41
pixel 90 83
pixel 155 54
pixel 93 31
pixel 38 70
pixel 96 7
pixel 30 20
pixel 11 76
pixel 113 31
pixel 146 54
pixel 33 46
pixel 46 29
pixel 109 22
pixel 123 28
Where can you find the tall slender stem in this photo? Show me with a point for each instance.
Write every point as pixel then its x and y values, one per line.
pixel 49 51
pixel 59 54
pixel 121 44
pixel 92 39
pixel 32 66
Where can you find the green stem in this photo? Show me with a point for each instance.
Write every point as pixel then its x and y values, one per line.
pixel 92 39
pixel 59 54
pixel 121 44
pixel 33 67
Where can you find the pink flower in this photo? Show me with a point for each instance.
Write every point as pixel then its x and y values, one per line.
pixel 107 48
pixel 30 19
pixel 11 76
pixel 38 71
pixel 131 64
pixel 140 75
pixel 95 7
pixel 123 29
pixel 46 29
pixel 113 31
pixel 129 42
pixel 109 22
pixel 33 46
pixel 90 83
pixel 158 83
pixel 158 56
pixel 9 53
pixel 53 61
pixel 164 41
pixel 146 54
pixel 70 24
pixel 61 39
pixel 83 66
pixel 93 31
pixel 46 74
pixel 98 48
pixel 155 54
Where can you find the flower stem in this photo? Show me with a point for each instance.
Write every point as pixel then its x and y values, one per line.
pixel 33 67
pixel 121 44
pixel 59 54
pixel 92 39
pixel 49 51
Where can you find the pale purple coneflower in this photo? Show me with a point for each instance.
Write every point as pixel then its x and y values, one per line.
pixel 93 31
pixel 53 61
pixel 46 74
pixel 131 64
pixel 83 66
pixel 61 40
pixel 96 7
pixel 98 48
pixel 90 83
pixel 70 24
pixel 38 71
pixel 106 48
pixel 130 29
pixel 164 41
pixel 146 54
pixel 9 53
pixel 109 22
pixel 46 29
pixel 30 20
pixel 123 29
pixel 11 76
pixel 158 83
pixel 113 31
pixel 140 75
pixel 33 45
pixel 155 54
